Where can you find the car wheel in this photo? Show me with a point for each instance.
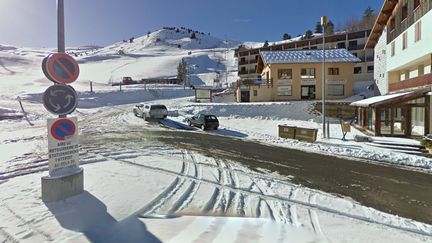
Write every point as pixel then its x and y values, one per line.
pixel 189 123
pixel 144 117
pixel 203 127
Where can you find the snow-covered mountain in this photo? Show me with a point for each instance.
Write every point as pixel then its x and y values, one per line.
pixel 153 55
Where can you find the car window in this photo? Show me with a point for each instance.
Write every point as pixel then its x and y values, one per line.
pixel 211 118
pixel 156 107
pixel 147 107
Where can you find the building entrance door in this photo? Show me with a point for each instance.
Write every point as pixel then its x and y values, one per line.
pixel 245 96
pixel 401 121
pixel 308 92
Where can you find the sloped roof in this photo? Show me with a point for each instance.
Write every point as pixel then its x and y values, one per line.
pixel 385 99
pixel 307 56
pixel 381 22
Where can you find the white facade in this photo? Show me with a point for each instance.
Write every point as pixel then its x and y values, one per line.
pixel 380 63
pixel 415 59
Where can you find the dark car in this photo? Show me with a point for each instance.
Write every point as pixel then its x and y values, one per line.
pixel 204 121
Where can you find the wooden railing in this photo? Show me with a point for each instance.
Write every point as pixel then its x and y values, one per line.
pixel 424 7
pixel 421 81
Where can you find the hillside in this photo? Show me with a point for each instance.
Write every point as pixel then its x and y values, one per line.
pixel 150 56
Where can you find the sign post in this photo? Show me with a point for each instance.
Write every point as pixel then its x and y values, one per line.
pixel 65 177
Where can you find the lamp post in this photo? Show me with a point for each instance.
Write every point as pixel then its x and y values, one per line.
pixel 323 83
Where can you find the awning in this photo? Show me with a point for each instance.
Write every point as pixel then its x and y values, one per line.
pixel 390 98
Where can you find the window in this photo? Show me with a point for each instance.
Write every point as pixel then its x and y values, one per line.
pixel 284 90
pixel 352 44
pixel 284 73
pixel 333 71
pixel 404 12
pixel 417 31
pixel 307 73
pixel 404 41
pixel 416 4
pixel 341 45
pixel 255 93
pixel 370 69
pixel 243 69
pixel 243 59
pixel 336 90
pixel 392 24
pixel 393 48
pixel 357 70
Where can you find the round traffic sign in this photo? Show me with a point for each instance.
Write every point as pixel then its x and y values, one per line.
pixel 60 99
pixel 62 129
pixel 61 68
pixel 44 69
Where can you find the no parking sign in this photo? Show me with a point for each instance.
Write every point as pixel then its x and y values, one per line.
pixel 63 148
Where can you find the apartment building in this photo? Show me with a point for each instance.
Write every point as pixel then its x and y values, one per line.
pixel 401 38
pixel 352 41
pixel 297 75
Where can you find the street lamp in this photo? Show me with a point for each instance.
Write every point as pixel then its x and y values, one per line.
pixel 323 83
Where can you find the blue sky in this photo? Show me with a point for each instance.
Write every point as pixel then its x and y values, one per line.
pixel 101 22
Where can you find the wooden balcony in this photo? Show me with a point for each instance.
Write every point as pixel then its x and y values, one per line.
pixel 418 82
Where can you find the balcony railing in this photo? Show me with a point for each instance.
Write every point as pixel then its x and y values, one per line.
pixel 424 7
pixel 257 82
pixel 417 82
pixel 356 47
pixel 243 62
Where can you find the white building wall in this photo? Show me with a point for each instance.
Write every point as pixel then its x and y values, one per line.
pixel 380 64
pixel 415 50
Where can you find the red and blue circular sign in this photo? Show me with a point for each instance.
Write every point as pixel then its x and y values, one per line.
pixel 62 129
pixel 60 68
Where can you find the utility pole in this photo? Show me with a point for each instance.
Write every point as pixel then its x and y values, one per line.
pixel 226 60
pixel 60 27
pixel 323 83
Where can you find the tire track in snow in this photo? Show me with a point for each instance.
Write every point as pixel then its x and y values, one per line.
pixel 159 201
pixel 7 237
pixel 28 224
pixel 270 210
pixel 189 194
pixel 314 217
pixel 304 204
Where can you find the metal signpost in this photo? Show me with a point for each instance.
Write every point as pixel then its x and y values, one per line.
pixel 323 92
pixel 65 177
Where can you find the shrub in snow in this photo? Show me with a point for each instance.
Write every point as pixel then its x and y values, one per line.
pixel 193 36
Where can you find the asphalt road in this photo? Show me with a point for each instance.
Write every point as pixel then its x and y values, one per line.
pixel 394 190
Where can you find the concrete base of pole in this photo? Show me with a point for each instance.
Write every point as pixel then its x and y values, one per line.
pixel 60 188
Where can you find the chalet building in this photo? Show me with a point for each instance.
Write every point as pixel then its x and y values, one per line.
pixel 354 42
pixel 401 38
pixel 297 75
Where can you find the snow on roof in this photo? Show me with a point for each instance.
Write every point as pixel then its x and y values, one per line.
pixel 370 101
pixel 308 56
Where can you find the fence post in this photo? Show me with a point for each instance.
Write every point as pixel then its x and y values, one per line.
pixel 91 87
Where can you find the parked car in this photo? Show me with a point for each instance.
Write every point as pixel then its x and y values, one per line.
pixel 150 111
pixel 204 121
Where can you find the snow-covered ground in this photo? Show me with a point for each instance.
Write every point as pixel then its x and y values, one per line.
pixel 133 182
pixel 125 180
